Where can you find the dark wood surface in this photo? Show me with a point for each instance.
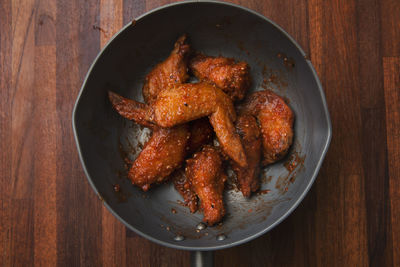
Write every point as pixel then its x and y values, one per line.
pixel 49 214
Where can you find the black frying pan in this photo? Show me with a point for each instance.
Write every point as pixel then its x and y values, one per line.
pixel 104 138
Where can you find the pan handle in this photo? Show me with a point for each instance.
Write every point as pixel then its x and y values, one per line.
pixel 202 259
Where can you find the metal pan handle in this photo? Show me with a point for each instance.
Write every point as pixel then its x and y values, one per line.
pixel 202 259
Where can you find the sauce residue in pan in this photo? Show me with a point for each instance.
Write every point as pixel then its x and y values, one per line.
pixel 287 61
pixel 120 194
pixel 263 192
pixel 265 179
pixel 294 161
pixel 294 164
pixel 273 79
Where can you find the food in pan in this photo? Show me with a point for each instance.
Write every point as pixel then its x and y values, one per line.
pixel 248 177
pixel 187 102
pixel 171 71
pixel 252 129
pixel 232 77
pixel 276 123
pixel 207 179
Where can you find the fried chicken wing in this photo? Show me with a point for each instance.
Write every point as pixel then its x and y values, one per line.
pixel 249 132
pixel 166 149
pixel 207 179
pixel 130 109
pixel 162 154
pixel 276 122
pixel 169 72
pixel 232 77
pixel 188 102
pixel 201 133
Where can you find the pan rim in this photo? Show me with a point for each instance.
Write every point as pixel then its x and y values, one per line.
pixel 282 217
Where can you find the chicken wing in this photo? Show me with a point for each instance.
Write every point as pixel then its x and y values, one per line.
pixel 192 101
pixel 166 149
pixel 188 102
pixel 131 109
pixel 232 77
pixel 162 154
pixel 169 72
pixel 276 121
pixel 200 132
pixel 207 179
pixel 248 178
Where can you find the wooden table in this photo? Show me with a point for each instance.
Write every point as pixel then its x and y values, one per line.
pixel 49 214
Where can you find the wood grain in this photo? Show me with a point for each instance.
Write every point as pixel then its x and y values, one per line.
pixel 77 43
pixel 113 232
pixel 374 142
pixel 50 216
pixel 390 20
pixel 391 70
pixel 5 132
pixel 44 164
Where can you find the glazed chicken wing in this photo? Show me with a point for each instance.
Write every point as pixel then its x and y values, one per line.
pixel 201 133
pixel 162 140
pixel 188 102
pixel 192 101
pixel 276 122
pixel 232 77
pixel 169 72
pixel 207 179
pixel 162 154
pixel 130 109
pixel 249 132
pixel 166 149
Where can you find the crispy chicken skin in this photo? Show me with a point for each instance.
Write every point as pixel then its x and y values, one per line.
pixel 276 122
pixel 169 72
pixel 207 179
pixel 232 77
pixel 162 154
pixel 249 132
pixel 188 102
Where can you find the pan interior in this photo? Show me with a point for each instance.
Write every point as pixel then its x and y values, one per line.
pixel 105 138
